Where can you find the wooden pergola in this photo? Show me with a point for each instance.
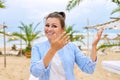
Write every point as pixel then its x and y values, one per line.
pixel 114 24
pixel 105 37
pixel 117 37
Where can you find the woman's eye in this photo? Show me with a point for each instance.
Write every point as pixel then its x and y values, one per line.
pixel 47 25
pixel 54 26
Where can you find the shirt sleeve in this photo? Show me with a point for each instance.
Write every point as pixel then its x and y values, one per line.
pixel 37 67
pixel 84 63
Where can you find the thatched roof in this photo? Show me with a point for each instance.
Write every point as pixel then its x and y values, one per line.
pixel 105 37
pixel 114 24
pixel 2 25
pixel 117 38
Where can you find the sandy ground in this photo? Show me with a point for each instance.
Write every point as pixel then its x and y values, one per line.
pixel 17 68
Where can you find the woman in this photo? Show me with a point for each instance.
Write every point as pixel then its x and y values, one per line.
pixel 54 59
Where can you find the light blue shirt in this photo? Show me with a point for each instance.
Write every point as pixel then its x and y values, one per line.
pixel 69 55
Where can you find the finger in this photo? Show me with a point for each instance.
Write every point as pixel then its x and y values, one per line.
pixel 61 36
pixel 65 37
pixel 100 32
pixel 66 42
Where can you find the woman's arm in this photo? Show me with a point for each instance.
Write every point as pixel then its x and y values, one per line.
pixel 94 44
pixel 88 64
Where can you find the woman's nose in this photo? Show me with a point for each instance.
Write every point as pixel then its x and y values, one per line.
pixel 49 28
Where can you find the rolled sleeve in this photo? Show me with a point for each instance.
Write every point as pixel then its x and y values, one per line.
pixel 89 66
pixel 38 69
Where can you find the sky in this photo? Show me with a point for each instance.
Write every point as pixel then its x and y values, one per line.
pixel 34 11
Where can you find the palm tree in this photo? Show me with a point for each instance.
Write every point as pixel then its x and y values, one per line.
pixel 29 35
pixel 73 37
pixel 1 4
pixel 118 8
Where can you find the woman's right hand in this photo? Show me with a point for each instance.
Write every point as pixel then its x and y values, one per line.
pixel 57 43
pixel 60 41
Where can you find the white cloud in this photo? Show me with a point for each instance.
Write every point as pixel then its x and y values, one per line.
pixel 31 4
pixel 37 8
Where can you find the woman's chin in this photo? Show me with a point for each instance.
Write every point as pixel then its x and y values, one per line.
pixel 50 39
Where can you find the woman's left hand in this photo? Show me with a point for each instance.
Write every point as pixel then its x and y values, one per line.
pixel 97 37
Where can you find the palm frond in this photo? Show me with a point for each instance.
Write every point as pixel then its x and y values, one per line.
pixel 104 45
pixel 116 1
pixel 72 3
pixel 21 36
pixel 73 37
pixel 12 39
pixel 116 10
pixel 29 33
pixel 36 26
pixel 2 4
pixel 2 32
pixel 35 36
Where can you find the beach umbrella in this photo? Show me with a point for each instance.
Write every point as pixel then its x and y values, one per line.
pixel 114 24
pixel 117 38
pixel 105 38
pixel 1 26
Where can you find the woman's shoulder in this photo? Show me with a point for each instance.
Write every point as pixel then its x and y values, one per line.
pixel 43 43
pixel 71 45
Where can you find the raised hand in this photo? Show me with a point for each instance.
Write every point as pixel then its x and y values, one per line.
pixel 97 37
pixel 60 41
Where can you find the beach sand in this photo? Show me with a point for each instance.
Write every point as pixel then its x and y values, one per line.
pixel 17 68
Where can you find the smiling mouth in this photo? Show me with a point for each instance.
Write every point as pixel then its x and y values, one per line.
pixel 50 33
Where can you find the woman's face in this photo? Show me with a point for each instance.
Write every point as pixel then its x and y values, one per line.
pixel 53 28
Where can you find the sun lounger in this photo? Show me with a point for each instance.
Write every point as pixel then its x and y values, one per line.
pixel 113 66
pixel 11 52
pixel 115 49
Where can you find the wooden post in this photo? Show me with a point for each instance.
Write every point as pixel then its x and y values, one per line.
pixel 4 26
